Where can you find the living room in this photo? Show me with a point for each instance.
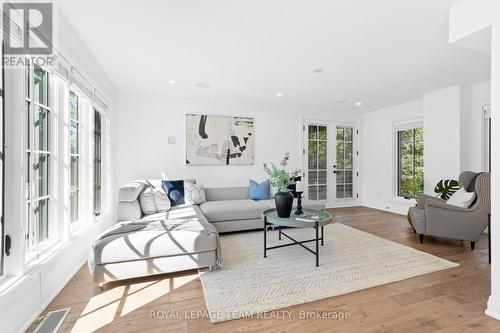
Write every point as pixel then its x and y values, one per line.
pixel 250 166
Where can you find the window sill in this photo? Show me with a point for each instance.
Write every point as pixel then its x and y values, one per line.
pixel 402 200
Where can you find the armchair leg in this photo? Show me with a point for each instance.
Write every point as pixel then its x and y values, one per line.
pixel 421 239
pixel 472 245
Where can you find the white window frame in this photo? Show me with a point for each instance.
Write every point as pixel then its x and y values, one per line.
pixel 396 127
pixel 32 246
pixel 98 212
pixel 74 155
pixel 84 144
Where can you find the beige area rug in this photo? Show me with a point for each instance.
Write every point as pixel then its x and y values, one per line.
pixel 350 260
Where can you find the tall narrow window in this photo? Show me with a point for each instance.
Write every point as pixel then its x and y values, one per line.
pixel 97 163
pixel 410 162
pixel 37 135
pixel 74 157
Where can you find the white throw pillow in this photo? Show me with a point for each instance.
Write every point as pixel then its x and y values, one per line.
pixel 462 198
pixel 194 194
pixel 154 200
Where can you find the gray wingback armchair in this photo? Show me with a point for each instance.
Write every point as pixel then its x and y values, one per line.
pixel 434 217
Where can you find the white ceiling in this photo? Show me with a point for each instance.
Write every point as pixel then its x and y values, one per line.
pixel 381 52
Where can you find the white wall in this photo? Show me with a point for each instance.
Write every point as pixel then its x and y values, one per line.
pixel 441 136
pixel 480 95
pixel 378 164
pixel 145 122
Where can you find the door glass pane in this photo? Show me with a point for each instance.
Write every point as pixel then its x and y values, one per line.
pixel 348 134
pixel 313 193
pixel 313 155
pixel 322 177
pixel 348 190
pixel 322 155
pixel 322 133
pixel 313 177
pixel 340 154
pixel 340 134
pixel 340 191
pixel 340 177
pixel 322 192
pixel 313 132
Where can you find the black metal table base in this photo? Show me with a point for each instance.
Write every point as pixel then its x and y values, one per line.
pixel 317 239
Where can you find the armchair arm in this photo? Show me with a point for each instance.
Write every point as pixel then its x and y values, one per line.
pixel 444 205
pixel 423 198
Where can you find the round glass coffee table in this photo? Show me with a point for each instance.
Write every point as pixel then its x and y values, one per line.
pixel 319 220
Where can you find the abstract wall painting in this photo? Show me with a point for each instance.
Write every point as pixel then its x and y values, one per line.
pixel 219 140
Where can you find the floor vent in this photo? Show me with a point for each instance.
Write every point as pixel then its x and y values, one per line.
pixel 52 321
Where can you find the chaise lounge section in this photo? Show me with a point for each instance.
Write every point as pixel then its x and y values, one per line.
pixel 185 237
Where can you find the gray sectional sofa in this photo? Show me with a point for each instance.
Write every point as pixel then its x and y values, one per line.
pixel 185 237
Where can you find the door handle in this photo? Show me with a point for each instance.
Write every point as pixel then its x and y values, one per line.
pixel 335 166
pixel 7 245
pixel 334 171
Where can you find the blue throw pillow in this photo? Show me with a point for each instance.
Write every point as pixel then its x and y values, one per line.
pixel 258 191
pixel 174 190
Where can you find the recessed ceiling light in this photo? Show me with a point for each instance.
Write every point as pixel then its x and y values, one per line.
pixel 172 82
pixel 359 103
pixel 318 70
pixel 203 85
pixel 279 94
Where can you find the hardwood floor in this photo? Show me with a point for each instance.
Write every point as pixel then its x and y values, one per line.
pixel 452 300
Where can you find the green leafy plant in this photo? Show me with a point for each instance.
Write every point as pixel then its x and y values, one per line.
pixel 446 187
pixel 279 177
pixel 411 187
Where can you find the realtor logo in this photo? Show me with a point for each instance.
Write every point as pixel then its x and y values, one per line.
pixel 27 28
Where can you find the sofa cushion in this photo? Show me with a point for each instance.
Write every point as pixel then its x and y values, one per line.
pixel 131 191
pixel 230 210
pixel 226 193
pixel 142 243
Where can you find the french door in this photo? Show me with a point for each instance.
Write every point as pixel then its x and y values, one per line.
pixel 330 163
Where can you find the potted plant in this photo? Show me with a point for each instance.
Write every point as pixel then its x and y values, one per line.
pixel 281 179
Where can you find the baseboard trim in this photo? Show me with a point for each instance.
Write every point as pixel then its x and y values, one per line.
pixel 493 308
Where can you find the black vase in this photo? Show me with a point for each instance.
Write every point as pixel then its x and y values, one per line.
pixel 284 203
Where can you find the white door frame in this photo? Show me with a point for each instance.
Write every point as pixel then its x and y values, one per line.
pixel 486 110
pixel 331 124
